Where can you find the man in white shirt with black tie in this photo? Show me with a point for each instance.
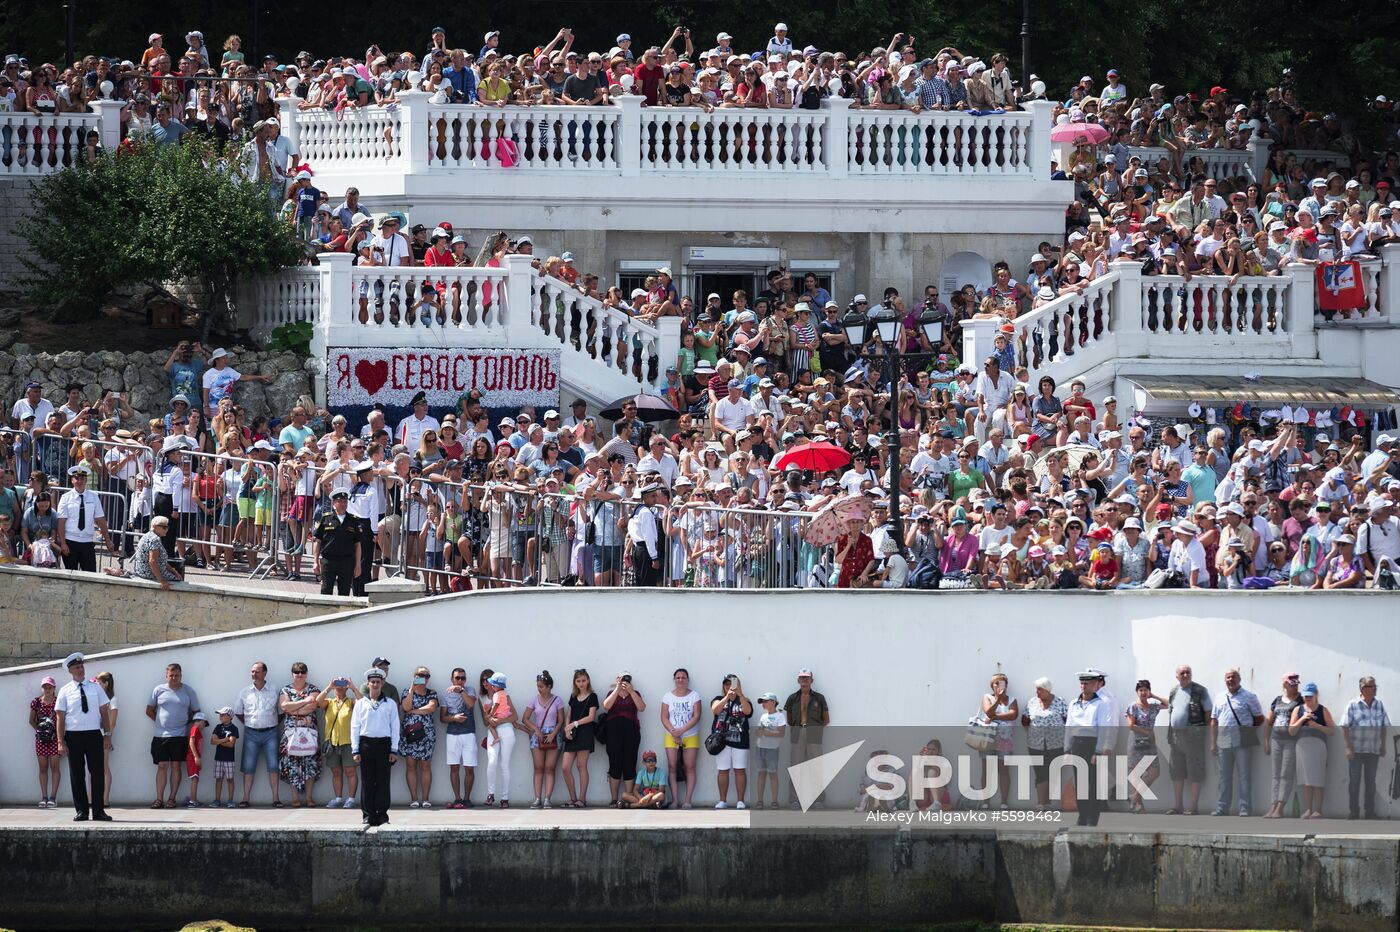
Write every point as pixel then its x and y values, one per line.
pixel 366 505
pixel 85 735
pixel 374 742
pixel 642 530
pixel 80 516
pixel 1088 734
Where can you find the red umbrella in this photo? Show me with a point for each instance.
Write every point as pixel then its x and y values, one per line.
pixel 817 456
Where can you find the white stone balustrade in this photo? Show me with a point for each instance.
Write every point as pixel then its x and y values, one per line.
pixel 626 139
pixel 289 297
pixel 604 352
pixel 36 144
pixel 1230 164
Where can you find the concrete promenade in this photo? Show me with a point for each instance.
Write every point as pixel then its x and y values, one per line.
pixel 319 869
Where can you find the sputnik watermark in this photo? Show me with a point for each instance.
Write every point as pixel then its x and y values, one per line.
pixel 891 777
pixel 931 773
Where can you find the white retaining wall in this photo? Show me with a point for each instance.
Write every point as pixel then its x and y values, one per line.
pixel 897 658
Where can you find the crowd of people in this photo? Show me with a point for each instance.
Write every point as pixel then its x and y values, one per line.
pixel 220 95
pixel 355 728
pixel 1001 485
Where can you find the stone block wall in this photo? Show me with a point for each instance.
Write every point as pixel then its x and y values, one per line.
pixel 50 613
pixel 140 375
pixel 15 202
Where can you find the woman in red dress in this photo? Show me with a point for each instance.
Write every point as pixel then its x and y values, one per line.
pixel 856 556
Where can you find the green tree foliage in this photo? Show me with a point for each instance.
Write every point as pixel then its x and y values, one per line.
pixel 150 214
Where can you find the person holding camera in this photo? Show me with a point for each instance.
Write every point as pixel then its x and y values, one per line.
pixel 623 735
pixel 338 702
pixel 732 711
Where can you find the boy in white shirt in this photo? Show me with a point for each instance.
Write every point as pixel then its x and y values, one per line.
pixel 772 727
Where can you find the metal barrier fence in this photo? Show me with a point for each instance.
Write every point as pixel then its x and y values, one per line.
pixel 504 534
pixel 258 515
pixel 123 539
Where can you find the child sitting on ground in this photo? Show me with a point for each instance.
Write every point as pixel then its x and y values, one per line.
pixel 650 791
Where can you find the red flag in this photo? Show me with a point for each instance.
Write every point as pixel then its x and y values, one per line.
pixel 1339 286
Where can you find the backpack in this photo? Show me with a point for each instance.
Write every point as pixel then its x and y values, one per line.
pixel 45 729
pixel 811 98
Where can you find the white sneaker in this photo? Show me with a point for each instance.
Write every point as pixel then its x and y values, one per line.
pixel 721 805
pixel 335 803
pixel 349 803
pixel 740 805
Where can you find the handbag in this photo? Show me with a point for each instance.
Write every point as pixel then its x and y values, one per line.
pixel 547 740
pixel 980 735
pixel 600 726
pixel 1249 738
pixel 714 741
pixel 301 741
pixel 414 732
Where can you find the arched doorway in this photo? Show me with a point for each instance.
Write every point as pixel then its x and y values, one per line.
pixel 963 268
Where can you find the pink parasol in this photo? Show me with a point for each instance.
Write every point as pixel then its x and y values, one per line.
pixel 830 523
pixel 1091 134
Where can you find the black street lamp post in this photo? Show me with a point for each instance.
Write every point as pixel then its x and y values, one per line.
pixel 888 323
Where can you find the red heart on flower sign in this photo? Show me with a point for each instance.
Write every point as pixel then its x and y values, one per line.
pixel 372 375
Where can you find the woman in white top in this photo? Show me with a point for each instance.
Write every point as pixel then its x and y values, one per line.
pixel 1044 720
pixel 680 717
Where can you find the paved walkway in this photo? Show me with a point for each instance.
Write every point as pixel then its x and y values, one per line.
pixel 522 818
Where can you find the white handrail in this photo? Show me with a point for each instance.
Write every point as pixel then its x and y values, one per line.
pixel 626 139
pixel 38 144
pixel 895 142
pixel 608 335
pixel 1249 307
pixel 1056 331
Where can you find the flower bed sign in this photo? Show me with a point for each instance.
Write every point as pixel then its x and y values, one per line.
pixel 506 378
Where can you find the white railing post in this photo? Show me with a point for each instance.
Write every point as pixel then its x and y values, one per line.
pixel 287 117
pixel 978 336
pixel 627 142
pixel 1128 310
pixel 836 149
pixel 335 300
pixel 1041 124
pixel 669 345
pixel 1388 283
pixel 1258 156
pixel 520 275
pixel 109 122
pixel 413 131
pixel 1301 304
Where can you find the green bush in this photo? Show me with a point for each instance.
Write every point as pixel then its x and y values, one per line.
pixel 146 214
pixel 295 338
